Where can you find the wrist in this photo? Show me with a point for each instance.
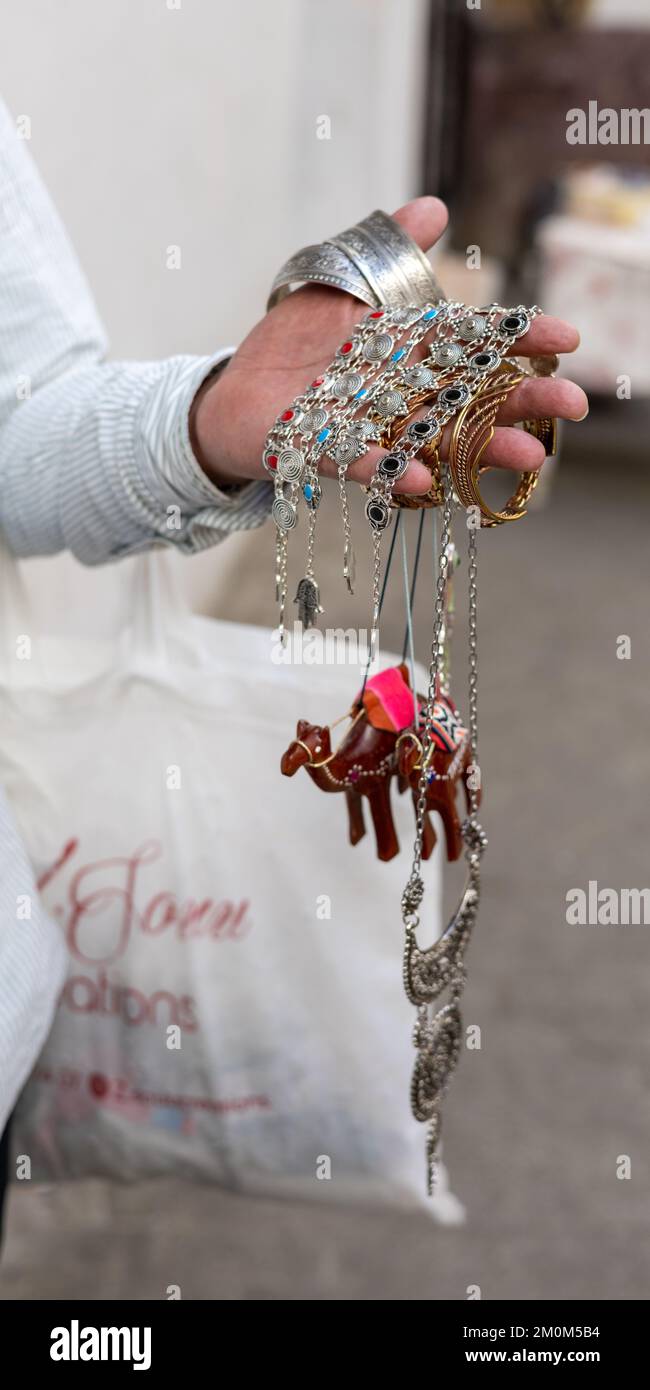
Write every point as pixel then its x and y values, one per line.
pixel 205 433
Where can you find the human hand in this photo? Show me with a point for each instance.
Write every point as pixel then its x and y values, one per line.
pixel 296 341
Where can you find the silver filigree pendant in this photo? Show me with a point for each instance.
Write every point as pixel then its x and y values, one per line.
pixel 430 970
pixel 363 430
pixel 473 326
pixel 438 1048
pixel 390 404
pixel 291 465
pixel 446 354
pixel 407 316
pixel 347 385
pixel 313 420
pixel 378 347
pixel 419 376
pixel 347 451
pixel 284 514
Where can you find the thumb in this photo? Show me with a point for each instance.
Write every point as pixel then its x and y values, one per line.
pixel 424 219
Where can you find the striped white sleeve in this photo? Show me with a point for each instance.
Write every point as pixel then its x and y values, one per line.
pixel 100 462
pixel 94 456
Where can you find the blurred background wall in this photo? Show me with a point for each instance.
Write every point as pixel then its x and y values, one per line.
pixel 193 123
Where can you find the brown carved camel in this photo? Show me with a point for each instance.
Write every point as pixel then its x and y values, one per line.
pixel 361 766
pixel 441 788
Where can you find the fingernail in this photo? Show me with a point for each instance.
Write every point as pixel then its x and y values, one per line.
pixel 578 418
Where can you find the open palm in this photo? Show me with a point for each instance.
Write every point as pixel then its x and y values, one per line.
pixel 297 339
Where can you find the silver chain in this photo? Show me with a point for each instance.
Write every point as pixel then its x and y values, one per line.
pixel 311 540
pixel 473 661
pixel 438 1051
pixel 281 553
pixel 376 593
pixel 281 558
pixel 348 552
pixel 434 666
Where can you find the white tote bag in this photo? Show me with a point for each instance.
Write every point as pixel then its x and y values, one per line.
pixel 233 1009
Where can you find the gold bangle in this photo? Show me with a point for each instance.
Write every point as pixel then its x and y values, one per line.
pixel 546 431
pixel 472 432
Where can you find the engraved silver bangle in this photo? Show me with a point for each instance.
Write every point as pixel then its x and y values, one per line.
pixel 395 267
pixel 375 260
pixel 321 265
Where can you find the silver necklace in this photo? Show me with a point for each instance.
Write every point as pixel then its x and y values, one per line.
pixel 428 972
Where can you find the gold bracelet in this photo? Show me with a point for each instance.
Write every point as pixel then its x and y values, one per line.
pixel 472 431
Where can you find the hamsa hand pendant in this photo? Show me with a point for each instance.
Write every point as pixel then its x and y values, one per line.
pixel 308 600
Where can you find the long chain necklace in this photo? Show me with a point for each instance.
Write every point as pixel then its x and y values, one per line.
pixel 427 973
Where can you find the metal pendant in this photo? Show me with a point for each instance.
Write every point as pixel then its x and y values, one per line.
pixel 391 403
pixel 347 451
pixel 446 354
pixel 438 1045
pixel 422 430
pixel 407 316
pixel 393 467
pixel 473 326
pixel 378 513
pixel 419 376
pixel 454 396
pixel 308 600
pixel 313 420
pixel 378 346
pixel 349 567
pixel 312 493
pixel 291 464
pixel 347 385
pixel 514 324
pixel 284 514
pixel 486 361
pixel 427 972
pixel 363 430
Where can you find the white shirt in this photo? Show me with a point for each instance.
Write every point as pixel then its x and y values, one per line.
pixel 92 455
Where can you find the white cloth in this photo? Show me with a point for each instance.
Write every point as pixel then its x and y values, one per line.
pixel 92 455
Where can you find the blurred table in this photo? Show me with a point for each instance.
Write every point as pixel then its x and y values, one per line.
pixel 598 277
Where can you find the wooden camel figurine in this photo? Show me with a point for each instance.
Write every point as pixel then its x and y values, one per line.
pixel 445 768
pixel 362 765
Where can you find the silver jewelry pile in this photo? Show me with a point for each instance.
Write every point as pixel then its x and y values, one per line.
pixel 370 386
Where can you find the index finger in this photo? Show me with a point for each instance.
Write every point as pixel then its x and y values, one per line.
pixel 546 335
